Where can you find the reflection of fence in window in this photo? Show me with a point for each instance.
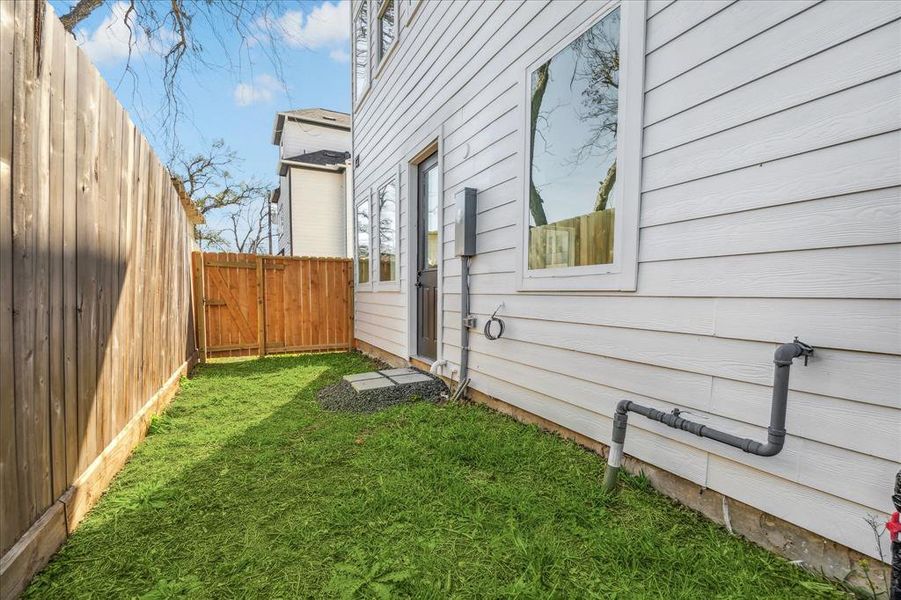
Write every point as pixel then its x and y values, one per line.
pixel 363 269
pixel 388 267
pixel 575 242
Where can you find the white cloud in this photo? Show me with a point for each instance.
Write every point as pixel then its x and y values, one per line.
pixel 109 43
pixel 325 26
pixel 261 89
pixel 339 55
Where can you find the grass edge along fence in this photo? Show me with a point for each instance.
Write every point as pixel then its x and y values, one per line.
pixel 96 325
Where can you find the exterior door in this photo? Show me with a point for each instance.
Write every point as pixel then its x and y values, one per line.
pixel 427 259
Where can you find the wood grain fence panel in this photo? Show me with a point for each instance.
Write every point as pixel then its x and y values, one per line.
pixel 56 119
pixel 95 286
pixel 258 304
pixel 70 334
pixel 9 485
pixel 23 264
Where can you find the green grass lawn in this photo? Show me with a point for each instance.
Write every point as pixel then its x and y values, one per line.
pixel 247 489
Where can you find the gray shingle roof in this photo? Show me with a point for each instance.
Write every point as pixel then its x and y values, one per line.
pixel 321 157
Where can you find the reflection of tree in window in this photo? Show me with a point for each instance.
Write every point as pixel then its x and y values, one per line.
pixel 387 201
pixel 361 50
pixel 363 242
pixel 386 27
pixel 572 143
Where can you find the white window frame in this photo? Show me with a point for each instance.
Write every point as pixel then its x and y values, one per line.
pixel 622 274
pixel 359 97
pixel 410 8
pixel 384 54
pixel 392 285
pixel 365 286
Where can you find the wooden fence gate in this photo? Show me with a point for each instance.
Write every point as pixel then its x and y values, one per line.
pixel 256 305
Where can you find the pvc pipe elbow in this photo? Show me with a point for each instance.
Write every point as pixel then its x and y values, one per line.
pixel 786 353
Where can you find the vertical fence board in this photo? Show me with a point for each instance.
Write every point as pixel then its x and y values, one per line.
pixel 86 357
pixel 23 263
pixel 70 318
pixel 56 60
pixel 9 485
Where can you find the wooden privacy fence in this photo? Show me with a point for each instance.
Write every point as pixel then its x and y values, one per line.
pixel 255 304
pixel 95 287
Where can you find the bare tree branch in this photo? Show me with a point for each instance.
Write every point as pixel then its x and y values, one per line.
pixel 536 204
pixel 79 13
pixel 210 185
pixel 172 30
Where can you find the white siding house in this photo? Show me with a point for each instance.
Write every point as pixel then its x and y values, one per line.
pixel 312 213
pixel 757 165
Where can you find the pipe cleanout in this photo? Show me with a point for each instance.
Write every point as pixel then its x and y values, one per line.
pixel 784 355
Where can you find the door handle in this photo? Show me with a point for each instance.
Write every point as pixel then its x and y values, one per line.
pixel 419 279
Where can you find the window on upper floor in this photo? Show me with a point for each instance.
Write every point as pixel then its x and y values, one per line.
pixel 387 28
pixel 363 240
pixel 577 203
pixel 361 50
pixel 386 201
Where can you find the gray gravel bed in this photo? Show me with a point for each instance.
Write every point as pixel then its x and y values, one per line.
pixel 342 396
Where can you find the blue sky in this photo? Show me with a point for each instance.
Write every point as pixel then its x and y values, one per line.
pixel 237 101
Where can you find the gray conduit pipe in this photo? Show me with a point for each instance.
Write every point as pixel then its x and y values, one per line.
pixel 783 358
pixel 466 321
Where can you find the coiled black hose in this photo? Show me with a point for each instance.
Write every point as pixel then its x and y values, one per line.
pixel 493 319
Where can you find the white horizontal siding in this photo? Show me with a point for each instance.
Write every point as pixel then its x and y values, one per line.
pixel 772 141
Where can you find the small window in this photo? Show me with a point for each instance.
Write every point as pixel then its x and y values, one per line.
pixel 363 241
pixel 387 24
pixel 573 193
pixel 361 50
pixel 387 215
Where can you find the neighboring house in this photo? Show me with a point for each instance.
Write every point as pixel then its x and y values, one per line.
pixel 313 217
pixel 666 191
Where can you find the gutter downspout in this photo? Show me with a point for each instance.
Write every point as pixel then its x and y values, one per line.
pixel 782 358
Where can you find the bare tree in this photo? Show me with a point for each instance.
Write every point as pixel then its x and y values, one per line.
pixel 597 67
pixel 208 181
pixel 247 230
pixel 170 30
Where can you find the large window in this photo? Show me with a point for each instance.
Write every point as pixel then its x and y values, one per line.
pixel 387 215
pixel 363 241
pixel 387 28
pixel 361 50
pixel 573 192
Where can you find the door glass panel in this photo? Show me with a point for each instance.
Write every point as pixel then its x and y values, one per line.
pixel 431 246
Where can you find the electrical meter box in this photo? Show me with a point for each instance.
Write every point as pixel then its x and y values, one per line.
pixel 465 222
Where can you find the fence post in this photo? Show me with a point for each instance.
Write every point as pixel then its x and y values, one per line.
pixel 199 305
pixel 261 306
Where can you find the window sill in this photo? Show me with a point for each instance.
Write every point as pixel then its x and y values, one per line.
pixel 387 286
pixel 363 287
pixel 570 280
